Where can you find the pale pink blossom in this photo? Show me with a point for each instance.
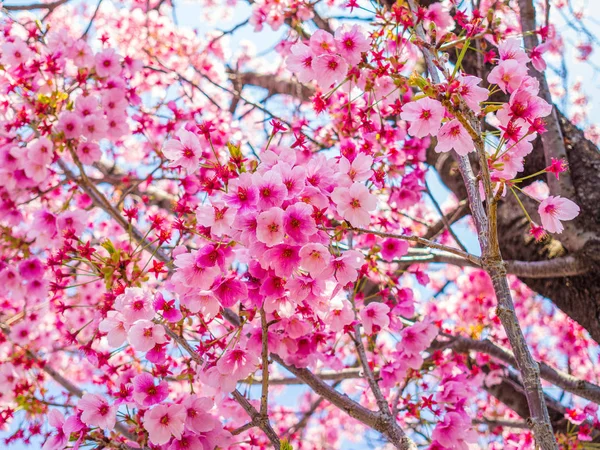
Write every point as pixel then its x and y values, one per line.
pixel 350 42
pixel 114 325
pixel 15 53
pixel 453 135
pixel 354 204
pixel 322 42
pixel 357 170
pixel 510 49
pixel 107 63
pixel 185 151
pixel 217 217
pixel 329 69
pixel 164 421
pixel 471 92
pixel 375 317
pixel 424 116
pixel 300 62
pixel 144 335
pixel 314 258
pixel 508 75
pixel 269 227
pixel 96 412
pixel 553 210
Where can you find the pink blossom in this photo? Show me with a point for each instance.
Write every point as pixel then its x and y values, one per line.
pixel 237 363
pixel 167 308
pixel 31 268
pixel 298 222
pixel 96 412
pixel 114 325
pixel 329 69
pixel 471 92
pixel 269 227
pixel 164 421
pixel 70 124
pixel 508 75
pixel 192 273
pixel 271 190
pixel 144 335
pixel 417 338
pixel 340 314
pixel 198 419
pixel 510 49
pixel 350 43
pixel 375 317
pixel 94 127
pixel 355 171
pixel 107 63
pixel 230 291
pixel 314 258
pixel 59 440
pixel 322 42
pixel 354 204
pixel 135 304
pixel 216 216
pixel 537 59
pixel 300 62
pixel 15 53
pixel 454 432
pixel 243 194
pixel 203 302
pixel 452 135
pixel 146 393
pixel 89 152
pixel 424 116
pixel 345 267
pixel 554 209
pixel 393 248
pixel 184 152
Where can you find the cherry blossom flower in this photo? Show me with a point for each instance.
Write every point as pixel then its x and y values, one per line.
pixel 217 217
pixel 146 393
pixel 350 43
pixel 424 115
pixel 96 412
pixel 144 335
pixel 508 75
pixel 185 151
pixel 269 227
pixel 15 53
pixel 197 417
pixel 510 49
pixel 299 223
pixel 300 62
pixel 393 248
pixel 375 317
pixel 329 69
pixel 107 63
pixel 354 204
pixel 114 325
pixel 553 210
pixel 164 421
pixel 314 258
pixel 452 135
pixel 471 92
pixel 322 42
pixel 230 291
